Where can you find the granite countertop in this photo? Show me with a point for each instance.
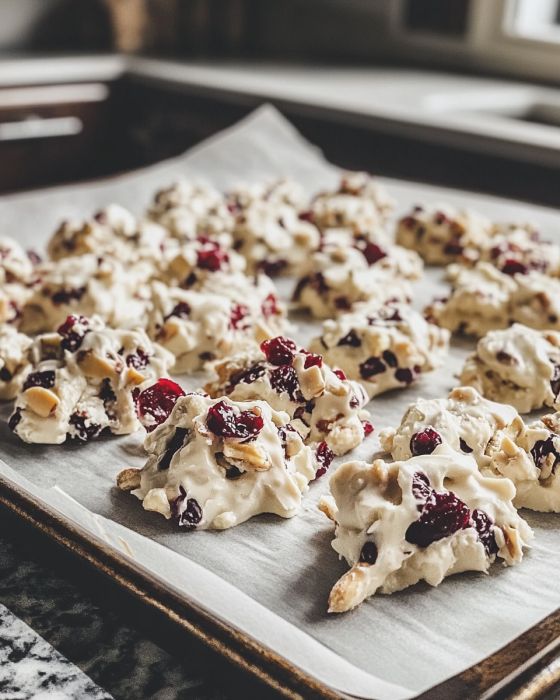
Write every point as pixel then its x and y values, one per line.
pixel 59 640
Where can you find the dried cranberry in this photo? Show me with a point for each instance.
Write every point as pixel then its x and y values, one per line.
pixel 212 259
pixel 404 375
pixel 371 367
pixel 238 317
pixel 484 525
pixel 285 379
pixel 73 331
pixel 180 310
pixel 555 381
pixel 373 253
pixel 106 393
pixel 273 268
pixel 44 379
pixel 390 358
pixel 225 421
pixel 269 307
pixel 368 427
pixel 421 489
pixel 156 402
pixel 453 248
pixel 514 267
pixel 246 376
pixel 442 516
pixel 85 430
pixel 541 451
pixel 175 444
pixel 65 296
pixel 408 222
pixel 351 339
pixel 464 447
pixel 368 555
pixel 138 359
pixel 313 360
pixel 342 303
pixel 440 218
pixel 424 442
pixel 15 419
pixel 186 511
pixel 306 216
pixel 279 350
pixel 340 374
pixel 324 457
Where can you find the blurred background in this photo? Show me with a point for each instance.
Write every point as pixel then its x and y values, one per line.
pixel 456 92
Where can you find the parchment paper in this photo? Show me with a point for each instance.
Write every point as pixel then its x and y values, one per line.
pixel 271 577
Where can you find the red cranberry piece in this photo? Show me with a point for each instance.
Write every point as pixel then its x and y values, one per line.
pixel 368 555
pixel 238 318
pixel 555 381
pixel 173 446
pixel 15 419
pixel 279 350
pixel 85 429
pixel 373 253
pixel 73 331
pixel 440 218
pixel 514 267
pixel 368 427
pixel 284 378
pixel 273 268
pixel 212 259
pixel 306 216
pixel 424 442
pixel 65 296
pixel 541 451
pixel 155 403
pixel 180 310
pixel 313 360
pixel 442 516
pixel 340 374
pixel 186 511
pixel 44 379
pixel 269 307
pixel 421 489
pixel 464 447
pixel 342 303
pixel 404 375
pixel 225 421
pixel 453 248
pixel 390 358
pixel 246 376
pixel 351 339
pixel 408 222
pixel 324 457
pixel 484 525
pixel 371 367
pixel 138 359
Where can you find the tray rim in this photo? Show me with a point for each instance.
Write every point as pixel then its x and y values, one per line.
pixel 525 668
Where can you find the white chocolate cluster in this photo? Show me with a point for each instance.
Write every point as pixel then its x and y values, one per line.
pixel 14 360
pixel 215 463
pixel 383 348
pixel 421 519
pixel 324 407
pixel 442 234
pixel 82 382
pixel 200 326
pixel 17 276
pixel 517 366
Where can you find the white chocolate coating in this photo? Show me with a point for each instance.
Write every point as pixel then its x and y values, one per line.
pixel 375 503
pixel 396 332
pixel 442 234
pixel 87 285
pixel 14 360
pixel 90 387
pixel 322 407
pixel 521 244
pixel 515 366
pixel 337 278
pixel 268 477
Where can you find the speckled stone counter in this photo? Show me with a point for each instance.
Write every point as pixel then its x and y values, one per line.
pixel 89 633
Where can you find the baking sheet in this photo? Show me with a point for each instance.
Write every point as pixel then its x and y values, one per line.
pixel 271 577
